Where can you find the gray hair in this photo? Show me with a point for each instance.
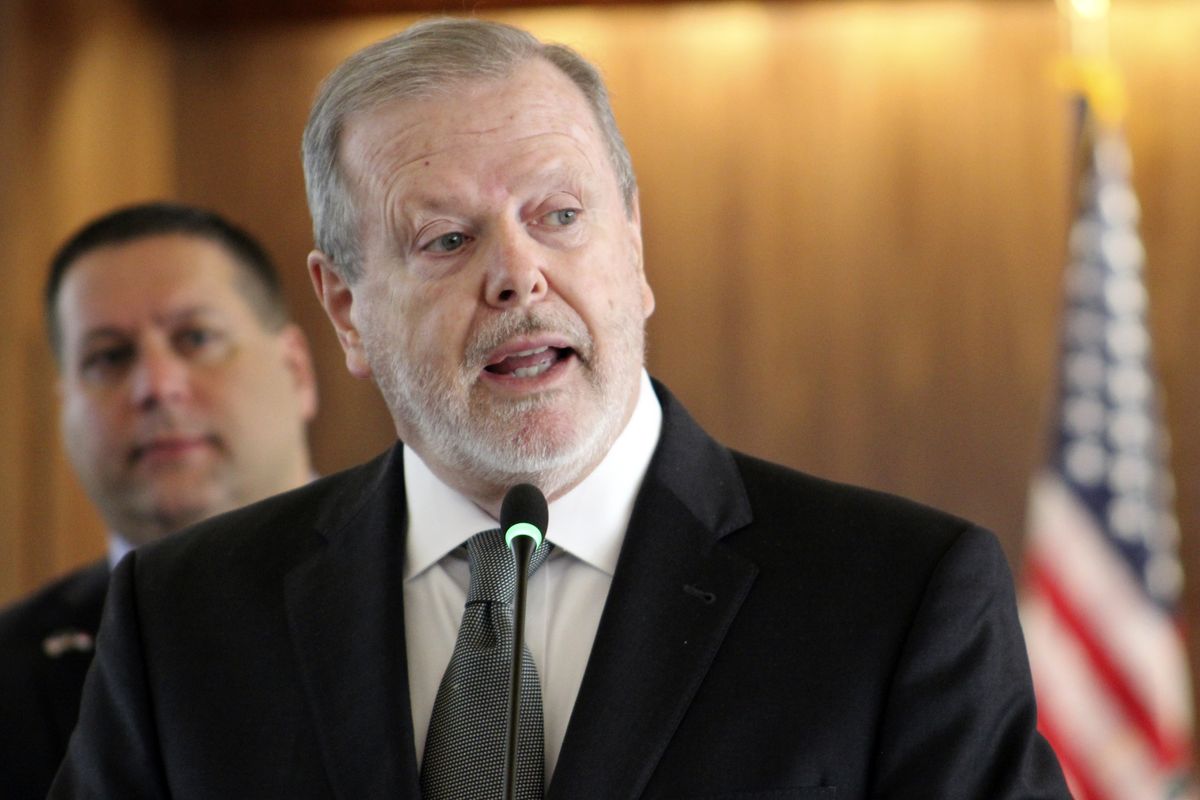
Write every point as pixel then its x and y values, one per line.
pixel 424 61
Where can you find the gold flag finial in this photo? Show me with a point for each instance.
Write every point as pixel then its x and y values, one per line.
pixel 1088 69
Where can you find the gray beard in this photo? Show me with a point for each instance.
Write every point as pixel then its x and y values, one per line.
pixel 484 445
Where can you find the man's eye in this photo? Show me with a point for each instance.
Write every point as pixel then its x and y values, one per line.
pixel 563 216
pixel 107 360
pixel 447 243
pixel 192 340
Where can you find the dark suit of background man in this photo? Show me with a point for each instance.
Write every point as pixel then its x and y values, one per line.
pixel 709 625
pixel 185 392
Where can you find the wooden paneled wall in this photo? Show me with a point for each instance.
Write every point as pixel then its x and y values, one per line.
pixel 85 124
pixel 855 218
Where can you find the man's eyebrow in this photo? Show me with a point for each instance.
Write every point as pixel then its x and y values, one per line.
pixel 104 332
pixel 450 199
pixel 189 312
pixel 174 316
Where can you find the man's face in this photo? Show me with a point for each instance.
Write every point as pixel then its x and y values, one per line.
pixel 177 403
pixel 502 303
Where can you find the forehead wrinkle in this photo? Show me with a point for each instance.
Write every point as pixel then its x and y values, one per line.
pixel 545 114
pixel 571 138
pixel 573 167
pixel 380 143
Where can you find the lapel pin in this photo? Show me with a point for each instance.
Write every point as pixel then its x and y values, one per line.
pixel 695 591
pixel 58 644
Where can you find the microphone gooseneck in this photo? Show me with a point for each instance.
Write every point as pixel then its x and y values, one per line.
pixel 523 519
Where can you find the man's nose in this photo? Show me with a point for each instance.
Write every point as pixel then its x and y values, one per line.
pixel 516 268
pixel 159 377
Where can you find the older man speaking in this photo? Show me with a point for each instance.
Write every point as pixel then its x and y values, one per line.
pixel 702 624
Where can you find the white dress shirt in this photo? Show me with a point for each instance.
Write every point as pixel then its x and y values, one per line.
pixel 565 597
pixel 118 546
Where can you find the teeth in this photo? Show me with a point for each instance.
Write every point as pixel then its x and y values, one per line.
pixel 530 352
pixel 529 372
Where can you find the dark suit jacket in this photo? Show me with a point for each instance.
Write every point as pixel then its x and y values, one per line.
pixel 44 656
pixel 767 635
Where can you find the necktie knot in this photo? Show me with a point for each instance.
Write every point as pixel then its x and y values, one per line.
pixel 494 569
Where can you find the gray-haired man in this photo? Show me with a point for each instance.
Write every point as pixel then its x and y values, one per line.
pixel 707 624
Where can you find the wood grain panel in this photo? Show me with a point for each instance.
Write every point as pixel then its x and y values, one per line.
pixel 855 217
pixel 83 126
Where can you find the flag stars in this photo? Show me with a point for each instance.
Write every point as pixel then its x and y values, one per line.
pixel 1129 517
pixel 1125 295
pixel 1164 572
pixel 1118 207
pixel 1085 371
pixel 1113 449
pixel 1164 576
pixel 1130 474
pixel 1084 245
pixel 1129 388
pixel 1084 415
pixel 1086 462
pixel 1123 251
pixel 1127 340
pixel 1129 430
pixel 1085 328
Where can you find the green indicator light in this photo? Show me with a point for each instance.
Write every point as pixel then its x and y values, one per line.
pixel 523 529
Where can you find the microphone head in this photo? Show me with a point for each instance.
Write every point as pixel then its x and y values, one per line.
pixel 526 504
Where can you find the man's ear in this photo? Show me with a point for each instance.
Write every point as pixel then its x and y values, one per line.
pixel 298 359
pixel 335 296
pixel 635 227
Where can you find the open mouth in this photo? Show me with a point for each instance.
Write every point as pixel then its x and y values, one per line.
pixel 530 363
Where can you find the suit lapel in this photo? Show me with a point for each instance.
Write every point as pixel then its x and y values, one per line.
pixel 62 685
pixel 68 646
pixel 675 592
pixel 346 616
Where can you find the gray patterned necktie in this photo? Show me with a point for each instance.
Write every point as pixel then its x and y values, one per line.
pixel 464 751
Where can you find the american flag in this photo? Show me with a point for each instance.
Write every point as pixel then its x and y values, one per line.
pixel 1102 575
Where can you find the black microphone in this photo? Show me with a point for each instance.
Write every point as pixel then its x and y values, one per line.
pixel 523 518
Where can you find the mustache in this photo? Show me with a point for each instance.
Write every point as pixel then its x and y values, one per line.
pixel 511 324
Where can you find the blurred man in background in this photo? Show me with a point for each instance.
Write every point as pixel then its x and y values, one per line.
pixel 185 391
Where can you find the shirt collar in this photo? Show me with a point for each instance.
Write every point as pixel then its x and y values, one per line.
pixel 589 521
pixel 118 546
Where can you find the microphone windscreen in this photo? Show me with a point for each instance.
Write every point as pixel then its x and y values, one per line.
pixel 524 503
